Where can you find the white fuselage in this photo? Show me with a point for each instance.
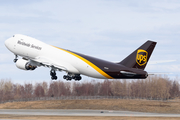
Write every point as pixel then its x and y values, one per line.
pixel 38 51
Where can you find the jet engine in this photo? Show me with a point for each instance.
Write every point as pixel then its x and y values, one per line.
pixel 24 65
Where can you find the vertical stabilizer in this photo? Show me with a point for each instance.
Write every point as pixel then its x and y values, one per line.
pixel 139 58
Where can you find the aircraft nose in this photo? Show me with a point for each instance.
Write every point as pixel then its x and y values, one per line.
pixel 8 43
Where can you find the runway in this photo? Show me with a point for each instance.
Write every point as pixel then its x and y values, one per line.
pixel 57 112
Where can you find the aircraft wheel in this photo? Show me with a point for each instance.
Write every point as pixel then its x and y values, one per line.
pixel 15 60
pixel 54 77
pixel 53 73
pixel 80 77
pixel 64 77
pixel 68 78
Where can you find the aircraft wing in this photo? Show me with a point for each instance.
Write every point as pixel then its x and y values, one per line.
pixel 161 61
pixel 46 62
pixel 158 73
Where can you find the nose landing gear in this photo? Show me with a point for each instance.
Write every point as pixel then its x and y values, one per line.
pixel 15 60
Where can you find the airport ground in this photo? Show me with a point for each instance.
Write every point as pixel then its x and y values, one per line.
pixel 168 107
pixel 9 117
pixel 138 105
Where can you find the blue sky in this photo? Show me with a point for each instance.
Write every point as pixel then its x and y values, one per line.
pixel 107 29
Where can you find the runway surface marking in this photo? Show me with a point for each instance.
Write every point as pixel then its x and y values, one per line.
pixel 57 112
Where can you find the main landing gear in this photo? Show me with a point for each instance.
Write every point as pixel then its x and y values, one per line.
pixel 53 74
pixel 68 77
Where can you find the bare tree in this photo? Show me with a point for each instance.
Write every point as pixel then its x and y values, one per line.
pixel 39 91
pixel 105 89
pixel 8 85
pixel 59 88
pixel 174 90
pixel 45 87
pixel 28 90
pixel 117 88
pixel 154 87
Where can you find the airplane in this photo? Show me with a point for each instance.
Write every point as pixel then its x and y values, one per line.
pixel 35 53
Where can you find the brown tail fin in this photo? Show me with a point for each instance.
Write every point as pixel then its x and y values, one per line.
pixel 139 58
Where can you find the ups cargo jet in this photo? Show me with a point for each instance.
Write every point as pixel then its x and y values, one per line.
pixel 35 53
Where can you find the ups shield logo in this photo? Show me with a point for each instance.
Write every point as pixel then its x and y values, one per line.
pixel 141 57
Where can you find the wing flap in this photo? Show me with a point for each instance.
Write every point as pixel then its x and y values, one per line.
pixel 46 62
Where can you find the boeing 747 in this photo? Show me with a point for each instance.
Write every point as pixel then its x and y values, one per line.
pixel 35 53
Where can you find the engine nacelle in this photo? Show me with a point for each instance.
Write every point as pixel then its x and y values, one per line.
pixel 24 65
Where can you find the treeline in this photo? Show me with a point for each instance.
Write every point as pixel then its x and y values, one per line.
pixel 154 87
